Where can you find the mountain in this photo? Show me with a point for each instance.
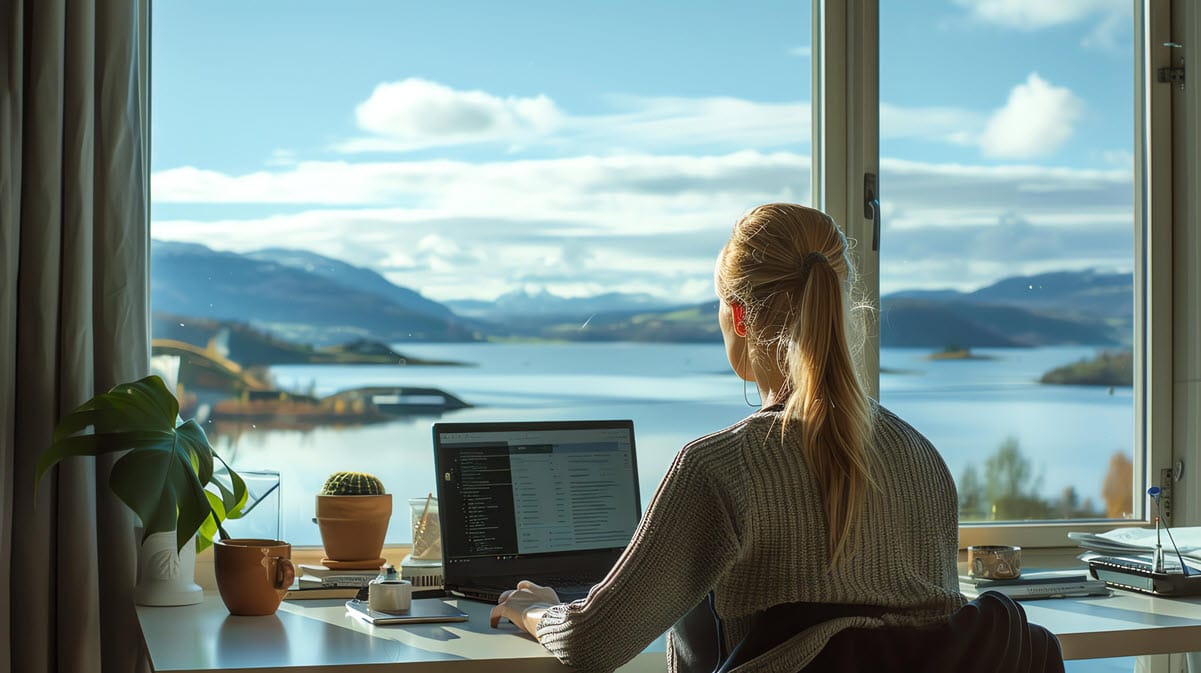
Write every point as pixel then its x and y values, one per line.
pixel 357 277
pixel 1087 292
pixel 1067 307
pixel 923 323
pixel 1061 307
pixel 310 299
pixel 913 323
pixel 521 306
pixel 684 324
pixel 291 302
pixel 1075 292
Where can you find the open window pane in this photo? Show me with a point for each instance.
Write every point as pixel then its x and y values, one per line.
pixel 532 192
pixel 1007 269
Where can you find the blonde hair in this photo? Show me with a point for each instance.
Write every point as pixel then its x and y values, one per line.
pixel 788 266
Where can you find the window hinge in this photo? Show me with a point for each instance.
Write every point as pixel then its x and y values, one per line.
pixel 1173 75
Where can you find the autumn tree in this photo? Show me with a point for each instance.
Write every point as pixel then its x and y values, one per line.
pixel 1117 489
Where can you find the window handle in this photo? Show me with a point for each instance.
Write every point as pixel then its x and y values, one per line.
pixel 871 207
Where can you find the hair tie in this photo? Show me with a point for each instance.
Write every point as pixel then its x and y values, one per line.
pixel 807 263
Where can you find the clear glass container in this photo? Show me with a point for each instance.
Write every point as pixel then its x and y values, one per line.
pixel 427 535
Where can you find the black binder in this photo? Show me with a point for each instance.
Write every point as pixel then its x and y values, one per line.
pixel 1138 574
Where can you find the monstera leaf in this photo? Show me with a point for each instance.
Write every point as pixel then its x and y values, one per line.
pixel 166 476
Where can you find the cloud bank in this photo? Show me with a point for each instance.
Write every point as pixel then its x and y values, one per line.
pixel 1030 15
pixel 640 199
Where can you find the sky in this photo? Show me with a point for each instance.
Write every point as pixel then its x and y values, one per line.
pixel 468 149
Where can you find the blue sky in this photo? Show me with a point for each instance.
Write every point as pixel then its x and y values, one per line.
pixel 466 149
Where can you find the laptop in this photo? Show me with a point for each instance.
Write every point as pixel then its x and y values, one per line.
pixel 554 502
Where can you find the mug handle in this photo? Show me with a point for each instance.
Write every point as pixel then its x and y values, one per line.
pixel 285 572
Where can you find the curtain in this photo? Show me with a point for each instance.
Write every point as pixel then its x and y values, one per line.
pixel 74 246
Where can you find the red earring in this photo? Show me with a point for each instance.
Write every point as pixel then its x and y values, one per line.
pixel 739 318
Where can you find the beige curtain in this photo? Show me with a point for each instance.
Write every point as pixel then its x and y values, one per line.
pixel 74 244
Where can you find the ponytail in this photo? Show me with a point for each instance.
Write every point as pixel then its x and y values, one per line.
pixel 787 264
pixel 829 401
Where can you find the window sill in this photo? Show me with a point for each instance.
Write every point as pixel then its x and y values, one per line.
pixel 1030 535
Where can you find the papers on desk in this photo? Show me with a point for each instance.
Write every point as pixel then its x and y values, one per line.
pixel 1128 541
pixel 1037 584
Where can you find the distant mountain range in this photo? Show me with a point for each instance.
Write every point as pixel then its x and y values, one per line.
pixel 547 308
pixel 304 297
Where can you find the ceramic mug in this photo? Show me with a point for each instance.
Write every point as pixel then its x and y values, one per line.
pixel 390 596
pixel 253 575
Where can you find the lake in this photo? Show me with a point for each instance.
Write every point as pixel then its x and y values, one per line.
pixel 674 393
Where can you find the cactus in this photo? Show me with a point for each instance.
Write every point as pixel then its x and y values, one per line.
pixel 352 483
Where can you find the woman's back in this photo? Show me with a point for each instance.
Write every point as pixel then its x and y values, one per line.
pixel 902 556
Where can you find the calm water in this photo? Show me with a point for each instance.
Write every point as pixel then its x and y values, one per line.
pixel 675 393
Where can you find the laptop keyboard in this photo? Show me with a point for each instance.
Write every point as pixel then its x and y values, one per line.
pixel 568 589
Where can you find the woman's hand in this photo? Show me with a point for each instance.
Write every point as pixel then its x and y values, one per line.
pixel 524 606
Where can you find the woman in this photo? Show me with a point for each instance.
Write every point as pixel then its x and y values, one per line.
pixel 821 498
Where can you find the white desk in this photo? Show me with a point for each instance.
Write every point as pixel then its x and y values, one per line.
pixel 318 636
pixel 1124 624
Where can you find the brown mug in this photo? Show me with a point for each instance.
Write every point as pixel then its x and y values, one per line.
pixel 253 575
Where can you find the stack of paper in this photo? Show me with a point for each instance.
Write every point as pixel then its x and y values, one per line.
pixel 1128 541
pixel 1037 584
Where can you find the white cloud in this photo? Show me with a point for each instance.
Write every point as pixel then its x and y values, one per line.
pixel 946 124
pixel 522 188
pixel 1032 15
pixel 652 218
pixel 1112 33
pixel 723 122
pixel 1036 121
pixel 803 51
pixel 416 113
pixel 282 157
pixel 642 223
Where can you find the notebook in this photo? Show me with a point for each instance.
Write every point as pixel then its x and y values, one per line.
pixel 554 502
pixel 420 612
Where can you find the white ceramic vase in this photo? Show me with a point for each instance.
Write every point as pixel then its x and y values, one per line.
pixel 167 577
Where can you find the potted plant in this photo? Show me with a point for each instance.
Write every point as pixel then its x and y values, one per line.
pixel 353 511
pixel 166 477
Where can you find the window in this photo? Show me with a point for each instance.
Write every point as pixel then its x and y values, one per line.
pixel 998 204
pixel 534 193
pixel 523 205
pixel 1007 276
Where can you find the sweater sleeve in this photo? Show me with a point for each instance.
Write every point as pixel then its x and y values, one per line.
pixel 685 542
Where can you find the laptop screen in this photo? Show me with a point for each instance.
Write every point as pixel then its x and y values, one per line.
pixel 521 489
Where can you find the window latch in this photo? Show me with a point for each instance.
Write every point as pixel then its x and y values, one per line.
pixel 1173 74
pixel 871 207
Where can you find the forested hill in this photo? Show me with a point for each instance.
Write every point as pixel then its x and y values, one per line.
pixel 304 298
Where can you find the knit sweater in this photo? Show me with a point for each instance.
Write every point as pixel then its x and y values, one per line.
pixel 739 513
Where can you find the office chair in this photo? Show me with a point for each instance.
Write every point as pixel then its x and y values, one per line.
pixel 988 635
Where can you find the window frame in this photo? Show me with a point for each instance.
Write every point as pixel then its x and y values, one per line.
pixel 846 147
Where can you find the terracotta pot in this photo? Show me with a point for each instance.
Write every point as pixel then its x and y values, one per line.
pixel 253 575
pixel 353 527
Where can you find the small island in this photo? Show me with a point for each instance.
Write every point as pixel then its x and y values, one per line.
pixel 956 352
pixel 1107 368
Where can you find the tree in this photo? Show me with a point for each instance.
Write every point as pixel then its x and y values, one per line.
pixel 1010 491
pixel 1117 489
pixel 971 496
